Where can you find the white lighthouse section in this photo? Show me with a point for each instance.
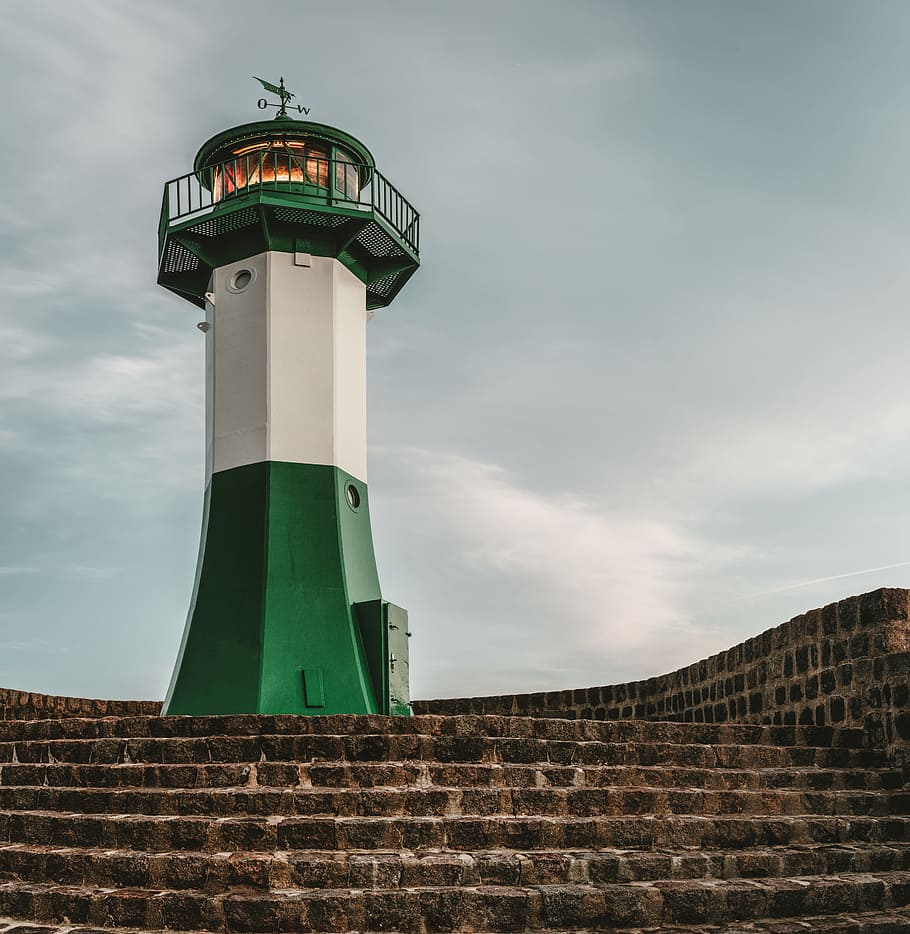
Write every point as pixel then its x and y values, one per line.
pixel 288 363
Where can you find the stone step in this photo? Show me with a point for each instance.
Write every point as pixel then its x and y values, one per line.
pixel 442 908
pixel 896 921
pixel 262 834
pixel 435 801
pixel 428 748
pixel 499 775
pixel 303 869
pixel 457 774
pixel 464 727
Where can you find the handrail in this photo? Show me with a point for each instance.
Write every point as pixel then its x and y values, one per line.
pixel 317 180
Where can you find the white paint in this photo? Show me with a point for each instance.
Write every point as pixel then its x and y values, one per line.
pixel 209 383
pixel 239 366
pixel 350 375
pixel 287 365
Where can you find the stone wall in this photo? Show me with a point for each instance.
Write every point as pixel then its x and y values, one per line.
pixel 845 665
pixel 24 705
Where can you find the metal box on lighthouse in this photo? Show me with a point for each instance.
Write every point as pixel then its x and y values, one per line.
pixel 289 237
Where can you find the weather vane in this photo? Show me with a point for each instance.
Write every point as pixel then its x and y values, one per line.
pixel 284 95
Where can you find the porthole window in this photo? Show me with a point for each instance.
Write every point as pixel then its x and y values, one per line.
pixel 241 280
pixel 352 494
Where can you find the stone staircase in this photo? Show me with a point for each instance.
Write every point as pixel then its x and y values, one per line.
pixel 447 823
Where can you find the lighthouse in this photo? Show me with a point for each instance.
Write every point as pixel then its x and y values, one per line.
pixel 289 238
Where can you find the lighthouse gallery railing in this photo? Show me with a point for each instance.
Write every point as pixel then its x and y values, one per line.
pixel 331 182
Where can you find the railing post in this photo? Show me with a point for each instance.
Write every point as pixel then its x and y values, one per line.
pixel 379 195
pixel 164 220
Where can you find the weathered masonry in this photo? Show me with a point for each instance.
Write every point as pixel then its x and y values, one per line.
pixel 612 808
pixel 846 665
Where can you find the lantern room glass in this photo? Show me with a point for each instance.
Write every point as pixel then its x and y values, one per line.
pixel 302 164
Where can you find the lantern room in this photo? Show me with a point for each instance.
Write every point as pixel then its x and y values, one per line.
pixel 293 186
pixel 306 158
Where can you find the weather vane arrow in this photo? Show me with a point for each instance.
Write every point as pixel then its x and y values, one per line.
pixel 284 96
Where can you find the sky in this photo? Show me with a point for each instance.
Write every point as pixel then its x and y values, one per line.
pixel 645 398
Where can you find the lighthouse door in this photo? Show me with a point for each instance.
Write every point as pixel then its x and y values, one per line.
pixel 396 621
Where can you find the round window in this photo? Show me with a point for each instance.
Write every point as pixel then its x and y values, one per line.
pixel 241 280
pixel 353 495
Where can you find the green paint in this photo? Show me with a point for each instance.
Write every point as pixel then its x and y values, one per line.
pixel 284 558
pixel 395 626
pixel 313 687
pixel 384 632
pixel 264 219
pixel 273 87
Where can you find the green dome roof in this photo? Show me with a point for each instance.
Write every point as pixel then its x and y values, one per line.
pixel 219 146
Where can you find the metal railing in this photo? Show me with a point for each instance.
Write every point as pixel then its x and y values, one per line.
pixel 317 181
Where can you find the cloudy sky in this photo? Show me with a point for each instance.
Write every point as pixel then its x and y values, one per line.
pixel 646 397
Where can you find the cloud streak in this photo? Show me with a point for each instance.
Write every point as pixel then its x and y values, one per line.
pixel 824 580
pixel 593 582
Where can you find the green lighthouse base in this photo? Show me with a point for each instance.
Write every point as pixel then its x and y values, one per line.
pixel 287 615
